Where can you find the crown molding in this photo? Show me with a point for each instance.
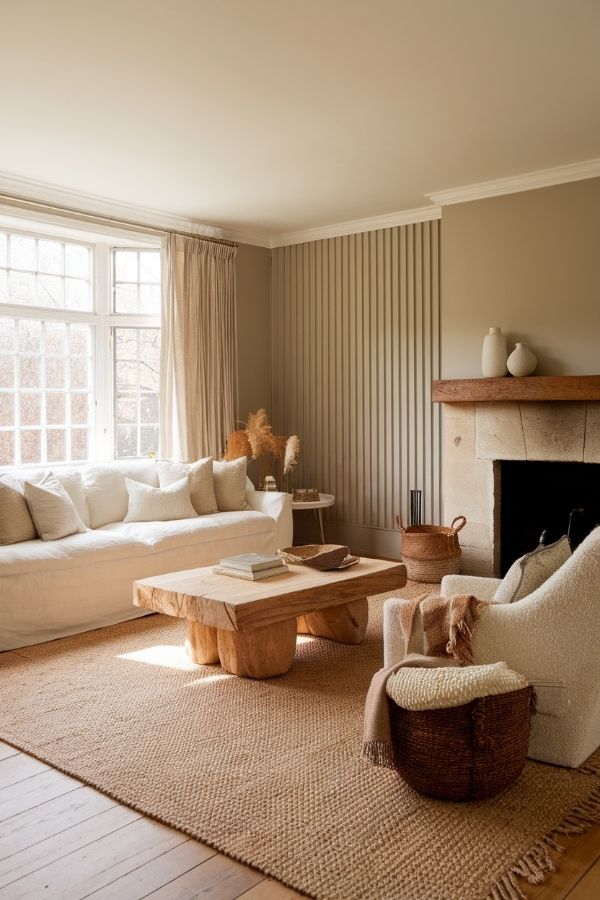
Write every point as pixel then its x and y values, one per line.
pixel 31 190
pixel 356 226
pixel 527 182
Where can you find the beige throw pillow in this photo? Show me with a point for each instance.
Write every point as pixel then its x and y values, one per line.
pixel 16 524
pixel 230 484
pixel 532 570
pixel 200 475
pixel 150 504
pixel 52 510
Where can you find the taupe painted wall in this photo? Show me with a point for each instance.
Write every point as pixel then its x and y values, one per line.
pixel 529 262
pixel 253 276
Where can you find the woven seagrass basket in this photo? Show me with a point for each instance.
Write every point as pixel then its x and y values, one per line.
pixel 468 752
pixel 431 551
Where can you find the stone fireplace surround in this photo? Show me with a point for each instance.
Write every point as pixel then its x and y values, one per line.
pixel 477 434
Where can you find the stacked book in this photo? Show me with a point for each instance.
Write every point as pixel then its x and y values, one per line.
pixel 251 566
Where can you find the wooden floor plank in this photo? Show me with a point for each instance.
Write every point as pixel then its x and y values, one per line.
pixel 220 878
pixel 6 750
pixel 589 886
pixel 157 873
pixel 580 853
pixel 53 817
pixel 19 767
pixel 55 849
pixel 99 862
pixel 269 889
pixel 32 792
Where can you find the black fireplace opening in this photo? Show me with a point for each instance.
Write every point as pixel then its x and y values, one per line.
pixel 543 501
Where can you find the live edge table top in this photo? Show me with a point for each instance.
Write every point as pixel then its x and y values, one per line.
pixel 233 604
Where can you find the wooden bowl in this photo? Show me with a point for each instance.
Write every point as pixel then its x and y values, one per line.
pixel 318 556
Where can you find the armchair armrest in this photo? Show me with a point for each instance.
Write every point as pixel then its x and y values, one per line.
pixel 482 588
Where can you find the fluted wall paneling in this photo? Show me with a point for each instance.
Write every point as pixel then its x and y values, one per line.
pixel 354 347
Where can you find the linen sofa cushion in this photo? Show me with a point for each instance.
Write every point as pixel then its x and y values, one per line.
pixel 230 484
pixel 150 504
pixel 16 523
pixel 105 490
pixel 200 475
pixel 52 510
pixel 73 485
pixel 531 570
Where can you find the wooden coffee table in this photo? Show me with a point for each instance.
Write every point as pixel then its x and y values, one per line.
pixel 250 627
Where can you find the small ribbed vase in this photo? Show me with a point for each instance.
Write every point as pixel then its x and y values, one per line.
pixel 493 355
pixel 522 361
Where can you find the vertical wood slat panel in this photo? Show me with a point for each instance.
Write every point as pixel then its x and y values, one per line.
pixel 355 344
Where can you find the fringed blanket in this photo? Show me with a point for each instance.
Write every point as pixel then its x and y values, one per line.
pixel 447 632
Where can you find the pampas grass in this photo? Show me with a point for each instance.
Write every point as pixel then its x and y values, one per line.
pixel 277 454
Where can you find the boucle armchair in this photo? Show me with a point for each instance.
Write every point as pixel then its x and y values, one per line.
pixel 551 636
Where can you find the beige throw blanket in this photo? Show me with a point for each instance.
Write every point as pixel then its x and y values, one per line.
pixel 447 632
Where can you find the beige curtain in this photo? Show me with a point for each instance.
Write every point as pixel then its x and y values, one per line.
pixel 198 371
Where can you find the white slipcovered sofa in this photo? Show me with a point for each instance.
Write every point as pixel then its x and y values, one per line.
pixel 550 636
pixel 50 589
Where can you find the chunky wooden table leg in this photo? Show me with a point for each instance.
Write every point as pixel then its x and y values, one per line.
pixel 346 623
pixel 201 644
pixel 258 652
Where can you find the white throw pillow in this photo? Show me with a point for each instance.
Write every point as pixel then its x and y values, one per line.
pixel 532 570
pixel 150 504
pixel 200 475
pixel 16 523
pixel 52 510
pixel 73 485
pixel 230 484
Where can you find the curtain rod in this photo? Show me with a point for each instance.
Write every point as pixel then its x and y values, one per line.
pixel 93 217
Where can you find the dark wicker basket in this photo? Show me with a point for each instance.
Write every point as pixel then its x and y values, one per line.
pixel 468 752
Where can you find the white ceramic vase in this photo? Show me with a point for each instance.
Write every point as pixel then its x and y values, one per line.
pixel 522 361
pixel 494 353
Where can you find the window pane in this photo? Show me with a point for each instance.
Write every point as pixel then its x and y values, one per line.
pixel 55 338
pixel 149 408
pixel 77 294
pixel 7 371
pixel 31 408
pixel 3 250
pixel 150 299
pixel 79 338
pixel 150 266
pixel 126 340
pixel 55 372
pixel 50 257
pixel 22 288
pixel 126 375
pixel 80 443
pixel 31 446
pixel 126 407
pixel 22 252
pixel 79 372
pixel 77 261
pixel 7 409
pixel 126 440
pixel 148 440
pixel 51 291
pixel 4 286
pixel 79 409
pixel 149 359
pixel 126 298
pixel 56 410
pixel 30 336
pixel 30 372
pixel 126 265
pixel 56 444
pixel 7 448
pixel 7 335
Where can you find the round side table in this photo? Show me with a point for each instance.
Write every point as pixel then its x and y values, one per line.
pixel 319 505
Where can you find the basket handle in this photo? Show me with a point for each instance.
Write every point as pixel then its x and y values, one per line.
pixel 462 522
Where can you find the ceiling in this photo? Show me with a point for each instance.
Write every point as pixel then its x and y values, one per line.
pixel 273 116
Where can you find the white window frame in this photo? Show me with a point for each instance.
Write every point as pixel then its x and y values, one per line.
pixel 102 317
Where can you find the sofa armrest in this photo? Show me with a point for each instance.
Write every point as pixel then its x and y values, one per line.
pixel 278 506
pixel 394 648
pixel 482 588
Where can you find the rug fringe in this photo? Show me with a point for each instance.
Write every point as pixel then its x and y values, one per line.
pixel 536 863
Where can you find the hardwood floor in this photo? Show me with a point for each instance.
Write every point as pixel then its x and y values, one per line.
pixel 65 841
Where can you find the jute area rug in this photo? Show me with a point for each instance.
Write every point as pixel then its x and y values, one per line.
pixel 270 772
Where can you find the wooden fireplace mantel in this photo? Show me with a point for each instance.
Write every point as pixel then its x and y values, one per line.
pixel 509 389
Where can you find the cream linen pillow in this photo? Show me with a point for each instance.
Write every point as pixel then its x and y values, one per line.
pixel 16 524
pixel 150 504
pixel 230 484
pixel 200 475
pixel 532 570
pixel 52 510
